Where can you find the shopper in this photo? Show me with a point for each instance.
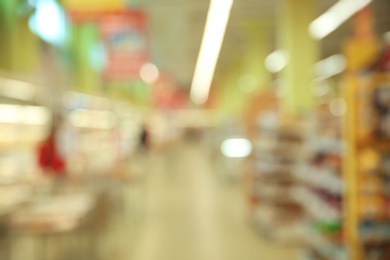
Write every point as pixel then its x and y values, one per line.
pixel 50 159
pixel 144 139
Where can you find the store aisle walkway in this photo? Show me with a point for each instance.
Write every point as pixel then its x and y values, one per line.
pixel 190 213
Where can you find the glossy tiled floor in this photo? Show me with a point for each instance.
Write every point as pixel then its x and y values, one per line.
pixel 188 210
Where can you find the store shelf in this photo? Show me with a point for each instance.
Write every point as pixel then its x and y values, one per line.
pixel 269 145
pixel 273 177
pixel 277 215
pixel 276 194
pixel 323 246
pixel 320 178
pixel 373 143
pixel 326 145
pixel 12 198
pixel 377 232
pixel 316 207
pixel 286 231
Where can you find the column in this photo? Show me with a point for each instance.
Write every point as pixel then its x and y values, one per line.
pixel 258 37
pixel 297 78
pixel 248 61
pixel 84 36
pixel 18 45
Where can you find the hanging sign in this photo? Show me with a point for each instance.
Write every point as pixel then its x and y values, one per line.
pixel 125 40
pixel 87 10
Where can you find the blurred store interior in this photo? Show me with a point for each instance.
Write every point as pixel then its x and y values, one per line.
pixel 194 130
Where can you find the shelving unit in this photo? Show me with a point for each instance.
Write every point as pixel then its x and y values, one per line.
pixel 275 211
pixel 23 124
pixel 367 158
pixel 321 189
pixel 22 128
pixel 98 135
pixel 303 170
pixel 366 153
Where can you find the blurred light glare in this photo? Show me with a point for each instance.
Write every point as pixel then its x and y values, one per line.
pixel 331 66
pixel 98 57
pixel 236 148
pixel 10 114
pixel 49 22
pixel 321 88
pixel 36 115
pixel 387 38
pixel 277 61
pixel 108 120
pixel 338 107
pixel 17 114
pixel 84 118
pixel 335 16
pixel 247 83
pixel 217 19
pixel 17 89
pixel 149 73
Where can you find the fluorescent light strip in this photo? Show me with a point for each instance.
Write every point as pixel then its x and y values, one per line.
pixel 217 19
pixel 236 148
pixel 387 37
pixel 17 89
pixel 335 16
pixel 331 66
pixel 277 61
pixel 30 115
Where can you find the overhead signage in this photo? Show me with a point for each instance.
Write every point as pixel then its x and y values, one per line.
pixel 125 39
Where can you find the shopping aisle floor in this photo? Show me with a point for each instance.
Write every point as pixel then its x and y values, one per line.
pixel 186 210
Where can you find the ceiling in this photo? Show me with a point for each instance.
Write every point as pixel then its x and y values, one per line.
pixel 176 33
pixel 176 29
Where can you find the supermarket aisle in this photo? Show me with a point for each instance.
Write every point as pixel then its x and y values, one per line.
pixel 192 214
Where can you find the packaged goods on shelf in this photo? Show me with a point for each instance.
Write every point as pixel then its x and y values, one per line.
pixel 321 185
pixel 324 247
pixel 366 161
pixel 277 150
pixel 279 221
pixel 94 135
